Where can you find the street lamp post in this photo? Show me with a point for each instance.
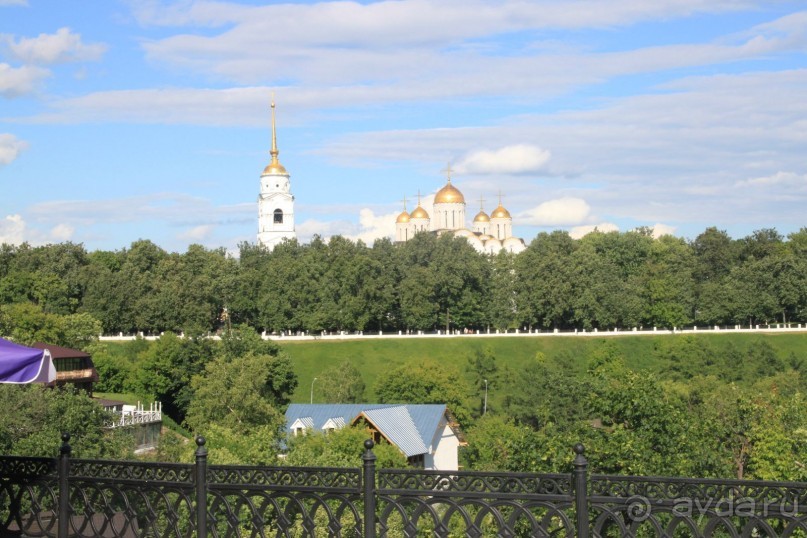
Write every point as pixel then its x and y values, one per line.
pixel 485 409
pixel 312 389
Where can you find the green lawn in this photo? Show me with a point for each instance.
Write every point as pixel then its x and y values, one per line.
pixel 373 357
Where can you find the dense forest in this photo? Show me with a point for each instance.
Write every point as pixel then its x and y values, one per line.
pixel 732 411
pixel 603 280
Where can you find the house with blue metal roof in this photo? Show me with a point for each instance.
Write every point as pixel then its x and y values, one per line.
pixel 426 434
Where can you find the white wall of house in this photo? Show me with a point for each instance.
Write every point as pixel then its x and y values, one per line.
pixel 444 456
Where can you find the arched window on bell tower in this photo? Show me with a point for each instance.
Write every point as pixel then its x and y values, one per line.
pixel 278 216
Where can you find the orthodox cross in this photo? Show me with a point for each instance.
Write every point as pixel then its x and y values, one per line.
pixel 448 171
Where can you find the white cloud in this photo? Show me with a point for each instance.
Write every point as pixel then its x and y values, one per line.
pixel 46 49
pixel 579 231
pixel 309 228
pixel 12 230
pixel 372 226
pixel 783 179
pixel 10 148
pixel 369 228
pixel 197 233
pixel 17 81
pixel 515 159
pixel 561 212
pixel 447 43
pixel 62 232
pixel 660 229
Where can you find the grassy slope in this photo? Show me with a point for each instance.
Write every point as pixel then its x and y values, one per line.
pixel 373 357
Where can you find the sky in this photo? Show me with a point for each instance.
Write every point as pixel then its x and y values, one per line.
pixel 127 120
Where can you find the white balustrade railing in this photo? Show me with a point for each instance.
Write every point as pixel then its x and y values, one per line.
pixel 132 415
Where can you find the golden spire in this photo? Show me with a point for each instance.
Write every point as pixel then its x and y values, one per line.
pixel 404 202
pixel 274 166
pixel 274 151
pixel 481 203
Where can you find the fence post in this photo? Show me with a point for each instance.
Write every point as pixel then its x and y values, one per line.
pixel 369 489
pixel 581 491
pixel 64 486
pixel 201 488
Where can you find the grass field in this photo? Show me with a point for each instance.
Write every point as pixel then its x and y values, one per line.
pixel 373 357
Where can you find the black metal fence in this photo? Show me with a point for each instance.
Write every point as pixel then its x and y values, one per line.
pixel 67 497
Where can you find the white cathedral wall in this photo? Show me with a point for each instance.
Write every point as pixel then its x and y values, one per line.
pixel 404 231
pixel 482 227
pixel 501 228
pixel 419 225
pixel 514 245
pixel 449 216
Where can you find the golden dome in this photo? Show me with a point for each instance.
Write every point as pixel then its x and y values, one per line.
pixel 275 168
pixel 402 218
pixel 419 213
pixel 449 195
pixel 500 213
pixel 481 217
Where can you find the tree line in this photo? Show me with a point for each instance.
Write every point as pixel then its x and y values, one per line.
pixel 602 281
pixel 728 411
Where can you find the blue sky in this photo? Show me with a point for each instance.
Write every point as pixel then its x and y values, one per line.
pixel 141 119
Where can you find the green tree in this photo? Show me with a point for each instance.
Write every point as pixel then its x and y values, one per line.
pixel 341 384
pixel 41 415
pixel 280 375
pixel 166 368
pixel 545 281
pixel 235 394
pixel 426 383
pixel 484 372
pixel 340 448
pixel 667 284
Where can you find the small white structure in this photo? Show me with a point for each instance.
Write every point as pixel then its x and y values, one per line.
pixel 145 424
pixel 426 434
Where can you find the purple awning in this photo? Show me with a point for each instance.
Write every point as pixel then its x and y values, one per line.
pixel 20 364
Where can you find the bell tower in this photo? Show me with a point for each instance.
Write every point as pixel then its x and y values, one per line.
pixel 275 201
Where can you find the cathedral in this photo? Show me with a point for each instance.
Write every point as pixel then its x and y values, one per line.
pixel 488 234
pixel 275 201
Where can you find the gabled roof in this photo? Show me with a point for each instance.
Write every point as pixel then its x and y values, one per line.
pixel 302 422
pixel 410 427
pixel 59 352
pixel 334 422
pixel 397 425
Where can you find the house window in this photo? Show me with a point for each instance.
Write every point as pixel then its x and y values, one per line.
pixel 278 216
pixel 299 431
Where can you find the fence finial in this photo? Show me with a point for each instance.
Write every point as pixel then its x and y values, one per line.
pixel 65 448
